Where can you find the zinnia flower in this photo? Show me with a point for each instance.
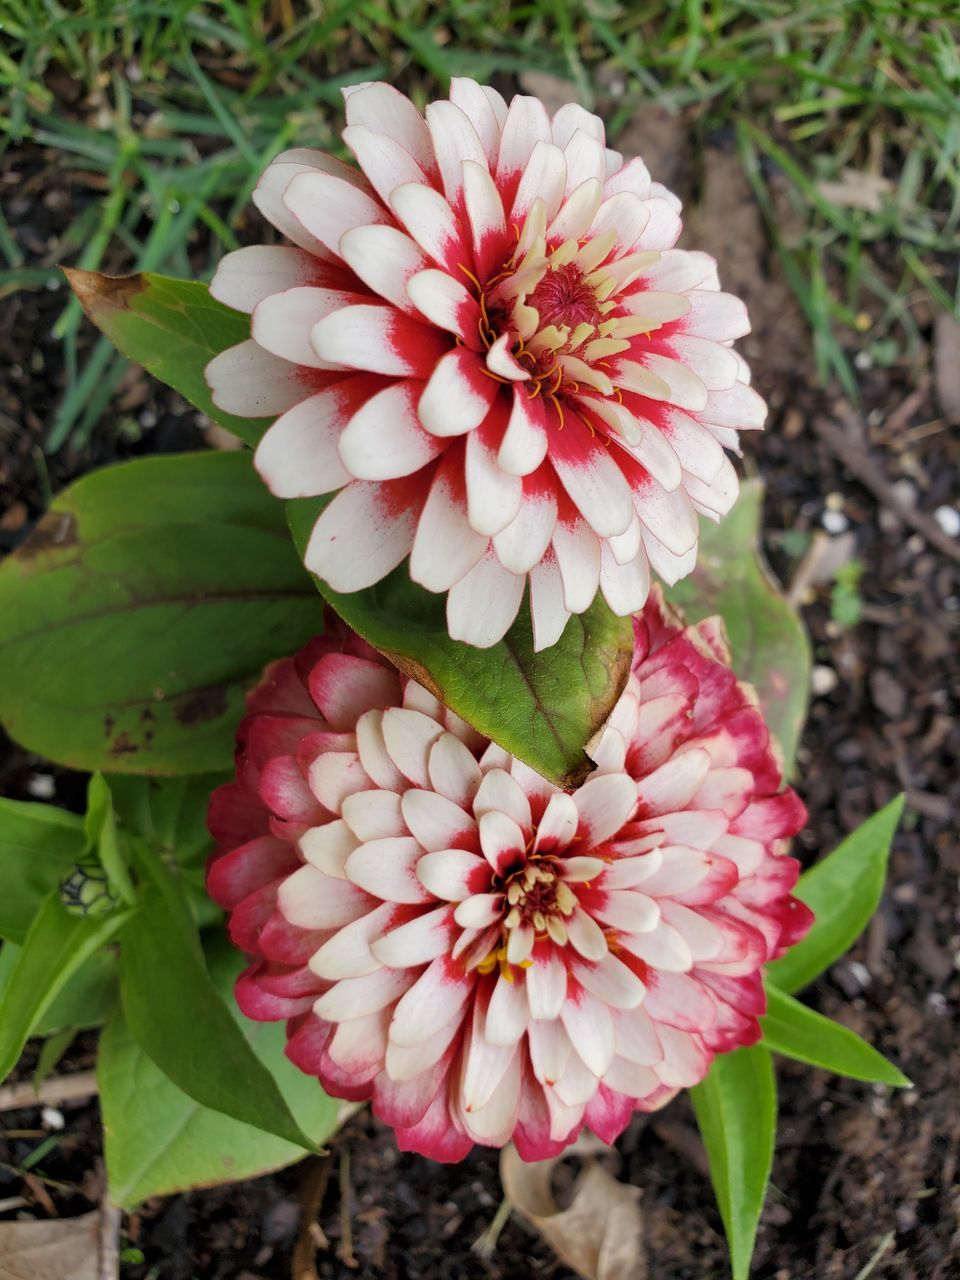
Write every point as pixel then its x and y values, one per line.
pixel 486 342
pixel 483 955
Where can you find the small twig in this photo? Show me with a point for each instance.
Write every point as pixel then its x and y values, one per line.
pixel 875 1257
pixel 108 1267
pixel 311 1193
pixel 854 458
pixel 345 1251
pixel 486 1243
pixel 82 1084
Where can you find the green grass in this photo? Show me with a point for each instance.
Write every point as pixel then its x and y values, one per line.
pixel 183 103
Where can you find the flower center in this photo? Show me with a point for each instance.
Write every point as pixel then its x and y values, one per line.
pixel 535 896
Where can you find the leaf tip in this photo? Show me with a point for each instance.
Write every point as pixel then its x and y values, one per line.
pixel 95 291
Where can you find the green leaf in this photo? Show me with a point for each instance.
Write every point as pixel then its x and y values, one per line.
pixel 736 1107
pixel 768 643
pixel 144 605
pixel 158 1140
pixel 179 1018
pixel 792 1029
pixel 170 813
pixel 56 946
pixel 542 707
pixel 38 846
pixel 85 1000
pixel 173 328
pixel 842 891
pixel 100 825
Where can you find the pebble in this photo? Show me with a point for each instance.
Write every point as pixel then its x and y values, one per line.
pixel 948 518
pixel 52 1118
pixel 834 521
pixel 41 786
pixel 823 680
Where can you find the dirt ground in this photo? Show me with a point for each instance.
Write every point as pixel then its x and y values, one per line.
pixel 866 1180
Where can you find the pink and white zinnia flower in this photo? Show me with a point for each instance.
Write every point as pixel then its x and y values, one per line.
pixel 483 955
pixel 484 339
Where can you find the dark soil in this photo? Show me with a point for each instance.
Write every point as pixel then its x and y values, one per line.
pixel 865 1179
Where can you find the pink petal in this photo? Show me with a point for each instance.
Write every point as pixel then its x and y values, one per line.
pixel 611 981
pixel 674 784
pixel 550 1049
pixel 589 1024
pixel 485 213
pixel 344 687
pixel 507 1013
pixel 480 105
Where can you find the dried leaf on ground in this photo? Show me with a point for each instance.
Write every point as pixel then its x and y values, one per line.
pixel 946 363
pixel 600 1234
pixel 59 1249
pixel 857 190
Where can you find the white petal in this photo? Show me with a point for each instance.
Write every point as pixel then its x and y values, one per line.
pixel 480 104
pixel 501 793
pixel 610 980
pixel 417 942
pixel 453 874
pixel 526 125
pixel 485 213
pixel 253 383
pixel 625 587
pixel 548 612
pixel 544 178
pixel 624 213
pixel 357 997
pixel 436 997
pixel 384 259
pixel 386 164
pixel 585 935
pixel 546 982
pixel 328 207
pixel 358 540
pixel 524 443
pixel 572 117
pixel 246 276
pixel 384 438
pixel 629 911
pixel 446 547
pixel 483 604
pixel 387 869
pixel 502 840
pixel 385 110
pixel 507 1013
pixel 373 815
pixel 409 735
pixel 347 954
pixel 312 900
pixel 604 803
pixel 299 455
pixel 577 549
pixel 454 141
pixel 586 158
pixel 454 771
pixel 374 756
pixel 576 213
pixel 444 302
pixel 525 539
pixel 589 1024
pixel 378 339
pixel 549 1049
pixel 480 911
pixel 595 484
pixel 431 222
pixel 458 395
pixel 493 496
pixel 675 783
pixel 559 824
pixel 328 847
pixel 434 821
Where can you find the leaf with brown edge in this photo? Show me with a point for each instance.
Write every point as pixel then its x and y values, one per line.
pixel 147 603
pixel 768 642
pixel 544 708
pixel 173 328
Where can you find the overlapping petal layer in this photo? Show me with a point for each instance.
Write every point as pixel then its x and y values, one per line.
pixel 484 342
pixel 484 956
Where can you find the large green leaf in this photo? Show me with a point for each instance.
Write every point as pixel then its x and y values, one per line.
pixel 767 640
pixel 159 1140
pixel 56 946
pixel 85 999
pixel 842 891
pixel 38 846
pixel 736 1107
pixel 543 707
pixel 792 1029
pixel 173 328
pixel 146 602
pixel 179 1018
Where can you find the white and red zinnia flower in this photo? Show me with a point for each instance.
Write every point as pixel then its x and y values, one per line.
pixel 486 341
pixel 483 955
